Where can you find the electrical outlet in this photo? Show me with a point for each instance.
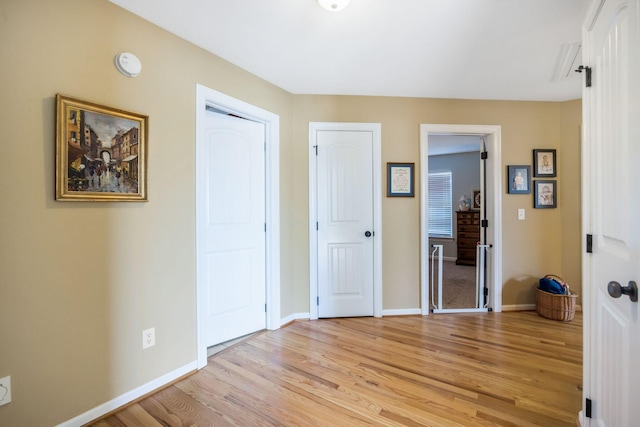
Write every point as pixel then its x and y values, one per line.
pixel 5 390
pixel 148 338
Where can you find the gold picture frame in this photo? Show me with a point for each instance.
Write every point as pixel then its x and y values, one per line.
pixel 101 152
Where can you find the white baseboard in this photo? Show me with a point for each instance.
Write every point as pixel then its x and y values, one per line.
pixel 402 312
pixel 414 311
pixel 292 317
pixel 305 316
pixel 128 397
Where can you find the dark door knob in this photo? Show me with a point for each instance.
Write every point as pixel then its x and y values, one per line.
pixel 616 290
pixel 367 233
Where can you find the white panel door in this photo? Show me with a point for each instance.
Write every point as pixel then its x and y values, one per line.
pixel 613 153
pixel 345 223
pixel 234 245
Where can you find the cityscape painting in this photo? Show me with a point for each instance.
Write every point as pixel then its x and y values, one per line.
pixel 100 152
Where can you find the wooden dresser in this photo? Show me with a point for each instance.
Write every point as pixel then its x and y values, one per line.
pixel 468 236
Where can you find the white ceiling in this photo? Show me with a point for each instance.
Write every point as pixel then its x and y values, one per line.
pixel 453 144
pixel 467 49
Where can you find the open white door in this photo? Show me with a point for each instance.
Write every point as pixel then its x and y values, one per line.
pixel 611 176
pixel 234 227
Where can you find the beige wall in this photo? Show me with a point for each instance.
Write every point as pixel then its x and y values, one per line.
pixel 531 248
pixel 80 281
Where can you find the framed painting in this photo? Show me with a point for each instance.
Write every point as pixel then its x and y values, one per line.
pixel 519 179
pixel 544 163
pixel 545 194
pixel 400 179
pixel 101 152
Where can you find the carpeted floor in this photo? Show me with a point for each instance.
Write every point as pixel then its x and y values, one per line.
pixel 458 285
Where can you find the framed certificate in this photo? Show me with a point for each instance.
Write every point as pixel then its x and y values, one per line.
pixel 400 179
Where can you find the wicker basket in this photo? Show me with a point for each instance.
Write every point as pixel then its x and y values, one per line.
pixel 556 306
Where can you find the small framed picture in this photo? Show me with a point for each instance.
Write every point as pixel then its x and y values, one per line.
pixel 519 181
pixel 545 194
pixel 544 163
pixel 400 180
pixel 477 199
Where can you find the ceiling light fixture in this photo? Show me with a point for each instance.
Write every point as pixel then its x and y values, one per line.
pixel 334 5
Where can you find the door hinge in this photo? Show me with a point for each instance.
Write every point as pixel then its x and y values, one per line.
pixel 265 227
pixel 316 147
pixel 317 226
pixel 587 74
pixel 587 408
pixel 317 300
pixel 484 223
pixel 589 243
pixel 265 307
pixel 484 155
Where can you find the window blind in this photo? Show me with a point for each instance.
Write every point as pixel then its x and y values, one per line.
pixel 440 205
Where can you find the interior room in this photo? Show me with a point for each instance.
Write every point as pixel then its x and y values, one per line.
pixel 456 160
pixel 81 280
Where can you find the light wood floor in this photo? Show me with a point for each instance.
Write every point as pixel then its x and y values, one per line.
pixel 488 369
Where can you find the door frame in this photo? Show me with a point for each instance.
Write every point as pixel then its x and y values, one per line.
pixel 376 131
pixel 587 184
pixel 494 209
pixel 209 97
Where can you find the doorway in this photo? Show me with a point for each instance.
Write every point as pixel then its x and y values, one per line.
pixel 491 208
pixel 455 166
pixel 209 98
pixel 345 227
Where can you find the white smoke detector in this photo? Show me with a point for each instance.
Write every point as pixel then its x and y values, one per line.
pixel 128 64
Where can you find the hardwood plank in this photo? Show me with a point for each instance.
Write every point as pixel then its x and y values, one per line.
pixel 484 369
pixel 136 415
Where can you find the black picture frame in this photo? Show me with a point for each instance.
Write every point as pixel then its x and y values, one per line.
pixel 519 179
pixel 400 180
pixel 544 163
pixel 545 194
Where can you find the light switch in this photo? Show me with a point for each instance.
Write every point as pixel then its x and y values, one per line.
pixel 521 214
